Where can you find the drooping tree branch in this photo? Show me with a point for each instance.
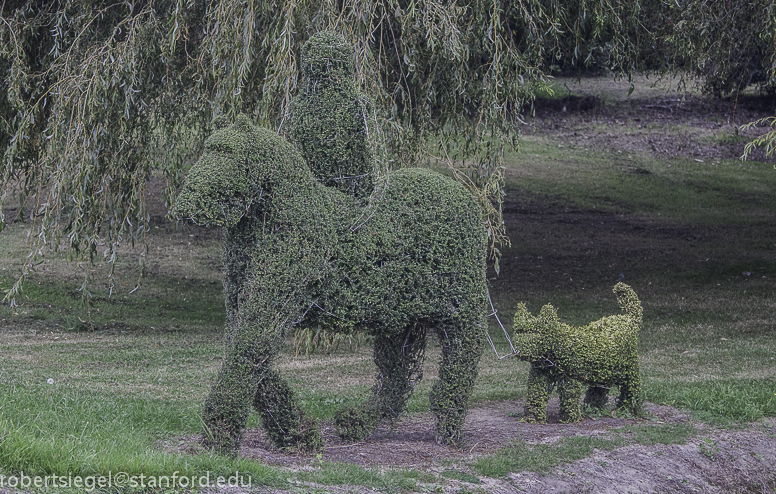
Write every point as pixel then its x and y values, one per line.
pixel 96 97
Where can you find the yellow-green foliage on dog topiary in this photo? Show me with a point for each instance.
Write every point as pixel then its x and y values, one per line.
pixel 601 355
pixel 297 253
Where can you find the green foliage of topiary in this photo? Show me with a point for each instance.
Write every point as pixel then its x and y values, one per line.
pixel 330 118
pixel 602 354
pixel 406 261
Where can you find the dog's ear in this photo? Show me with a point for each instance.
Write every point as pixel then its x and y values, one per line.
pixel 524 322
pixel 548 317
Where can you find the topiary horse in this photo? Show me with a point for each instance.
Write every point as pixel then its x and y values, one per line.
pixel 602 354
pixel 297 253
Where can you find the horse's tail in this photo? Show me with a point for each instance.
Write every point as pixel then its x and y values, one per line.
pixel 629 302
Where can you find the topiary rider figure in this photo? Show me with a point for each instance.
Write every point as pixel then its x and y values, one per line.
pixel 331 119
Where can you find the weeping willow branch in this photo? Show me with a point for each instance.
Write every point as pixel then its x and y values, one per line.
pixel 98 97
pixel 766 140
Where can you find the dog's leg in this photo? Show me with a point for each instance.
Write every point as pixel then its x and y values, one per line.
pixel 630 390
pixel 570 393
pixel 399 360
pixel 461 351
pixel 540 384
pixel 597 397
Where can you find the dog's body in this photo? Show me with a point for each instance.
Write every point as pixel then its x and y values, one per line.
pixel 299 253
pixel 601 355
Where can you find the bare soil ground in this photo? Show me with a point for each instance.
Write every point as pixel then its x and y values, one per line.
pixel 655 119
pixel 715 461
pixel 409 442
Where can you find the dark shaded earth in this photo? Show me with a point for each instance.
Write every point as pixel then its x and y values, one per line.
pixel 409 442
pixel 666 126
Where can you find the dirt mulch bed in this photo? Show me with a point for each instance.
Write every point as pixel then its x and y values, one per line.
pixel 715 461
pixel 409 441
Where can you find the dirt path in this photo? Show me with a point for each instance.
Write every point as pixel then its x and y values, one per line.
pixel 711 461
pixel 714 461
pixel 663 123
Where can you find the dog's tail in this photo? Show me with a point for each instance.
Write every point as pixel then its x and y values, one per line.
pixel 629 302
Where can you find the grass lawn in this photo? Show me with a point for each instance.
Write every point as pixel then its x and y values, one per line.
pixel 119 386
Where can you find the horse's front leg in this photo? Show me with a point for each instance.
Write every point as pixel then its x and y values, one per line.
pixel 246 378
pixel 250 350
pixel 282 419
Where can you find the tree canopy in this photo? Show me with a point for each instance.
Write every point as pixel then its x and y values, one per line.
pixel 98 97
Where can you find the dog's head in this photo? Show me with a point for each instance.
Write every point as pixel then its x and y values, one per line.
pixel 533 336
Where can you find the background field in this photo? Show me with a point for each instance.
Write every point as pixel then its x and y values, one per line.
pixel 646 189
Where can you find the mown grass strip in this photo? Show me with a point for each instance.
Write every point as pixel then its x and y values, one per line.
pixel 521 456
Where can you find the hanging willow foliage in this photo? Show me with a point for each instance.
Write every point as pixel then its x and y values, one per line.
pixel 97 97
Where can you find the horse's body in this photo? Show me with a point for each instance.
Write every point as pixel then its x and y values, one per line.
pixel 299 253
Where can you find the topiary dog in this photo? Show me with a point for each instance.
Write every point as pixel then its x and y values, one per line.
pixel 602 354
pixel 297 253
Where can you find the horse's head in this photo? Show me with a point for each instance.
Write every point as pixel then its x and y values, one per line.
pixel 241 166
pixel 219 188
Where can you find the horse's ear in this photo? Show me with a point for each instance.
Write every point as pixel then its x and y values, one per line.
pixel 220 122
pixel 243 122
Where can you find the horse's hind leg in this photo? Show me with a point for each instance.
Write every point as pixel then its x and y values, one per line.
pixel 281 416
pixel 399 360
pixel 461 351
